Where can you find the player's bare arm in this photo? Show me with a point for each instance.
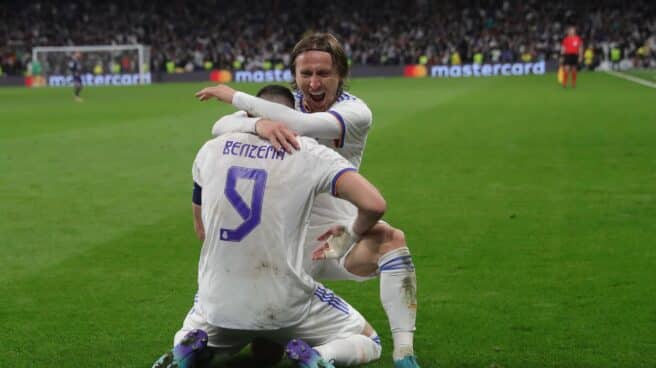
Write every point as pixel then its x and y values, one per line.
pixel 198 222
pixel 221 92
pixel 371 205
pixel 196 202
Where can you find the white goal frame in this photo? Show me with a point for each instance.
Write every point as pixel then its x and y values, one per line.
pixel 139 47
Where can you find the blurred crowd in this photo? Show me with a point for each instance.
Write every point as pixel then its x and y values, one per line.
pixel 248 34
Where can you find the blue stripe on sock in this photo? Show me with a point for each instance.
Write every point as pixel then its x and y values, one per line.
pixel 399 267
pixel 398 263
pixel 397 259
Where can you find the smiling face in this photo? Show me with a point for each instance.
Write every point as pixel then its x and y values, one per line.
pixel 317 78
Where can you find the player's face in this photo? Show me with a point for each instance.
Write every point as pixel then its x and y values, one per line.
pixel 317 78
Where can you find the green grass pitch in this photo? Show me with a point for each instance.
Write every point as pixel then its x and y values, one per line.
pixel 530 211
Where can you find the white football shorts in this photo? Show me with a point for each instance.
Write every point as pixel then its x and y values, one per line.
pixel 330 318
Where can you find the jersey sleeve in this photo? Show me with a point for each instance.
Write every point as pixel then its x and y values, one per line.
pixel 317 125
pixel 196 172
pixel 355 118
pixel 325 164
pixel 235 122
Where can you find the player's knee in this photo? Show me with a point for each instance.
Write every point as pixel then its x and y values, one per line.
pixel 376 348
pixel 177 338
pixel 376 351
pixel 394 239
pixel 368 348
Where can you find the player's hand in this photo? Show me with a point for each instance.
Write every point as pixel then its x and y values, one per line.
pixel 278 134
pixel 220 92
pixel 336 241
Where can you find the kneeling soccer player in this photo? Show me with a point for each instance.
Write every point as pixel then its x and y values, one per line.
pixel 255 205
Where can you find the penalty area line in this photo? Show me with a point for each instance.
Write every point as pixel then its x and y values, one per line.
pixel 632 78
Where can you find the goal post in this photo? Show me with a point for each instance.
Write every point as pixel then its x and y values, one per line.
pixel 101 64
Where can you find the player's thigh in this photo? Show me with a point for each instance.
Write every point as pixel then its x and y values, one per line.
pixel 330 318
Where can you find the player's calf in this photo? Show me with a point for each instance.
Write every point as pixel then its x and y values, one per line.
pixel 385 250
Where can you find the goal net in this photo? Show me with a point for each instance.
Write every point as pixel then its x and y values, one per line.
pixel 114 65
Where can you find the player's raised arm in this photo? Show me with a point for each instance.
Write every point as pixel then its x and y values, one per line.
pixel 317 125
pixel 277 133
pixel 235 122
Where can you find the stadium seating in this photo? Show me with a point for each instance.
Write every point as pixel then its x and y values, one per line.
pixel 253 34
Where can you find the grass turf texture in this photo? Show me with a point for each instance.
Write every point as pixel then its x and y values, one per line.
pixel 646 74
pixel 530 211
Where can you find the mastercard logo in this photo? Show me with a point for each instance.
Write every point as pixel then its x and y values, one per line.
pixel 221 76
pixel 415 71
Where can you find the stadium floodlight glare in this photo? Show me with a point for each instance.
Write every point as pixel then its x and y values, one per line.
pixel 98 61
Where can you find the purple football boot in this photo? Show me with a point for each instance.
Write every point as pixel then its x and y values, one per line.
pixel 185 353
pixel 302 354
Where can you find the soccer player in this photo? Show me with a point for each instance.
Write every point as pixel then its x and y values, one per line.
pixel 75 67
pixel 273 93
pixel 255 205
pixel 571 52
pixel 341 121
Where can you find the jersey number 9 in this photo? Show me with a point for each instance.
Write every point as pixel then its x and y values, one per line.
pixel 251 215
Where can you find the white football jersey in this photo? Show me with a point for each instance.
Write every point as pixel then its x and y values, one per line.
pixel 356 118
pixel 255 208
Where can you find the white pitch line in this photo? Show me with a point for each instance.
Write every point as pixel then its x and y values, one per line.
pixel 632 78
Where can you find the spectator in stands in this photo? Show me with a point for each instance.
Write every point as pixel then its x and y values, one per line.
pixel 379 32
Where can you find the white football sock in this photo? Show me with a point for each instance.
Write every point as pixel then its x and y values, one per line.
pixel 353 350
pixel 398 294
